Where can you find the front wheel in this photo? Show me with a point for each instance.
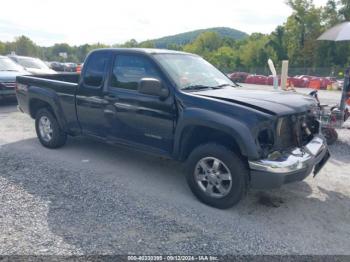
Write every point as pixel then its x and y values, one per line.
pixel 216 175
pixel 48 130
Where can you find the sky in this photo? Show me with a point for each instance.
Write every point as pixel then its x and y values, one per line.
pixel 106 21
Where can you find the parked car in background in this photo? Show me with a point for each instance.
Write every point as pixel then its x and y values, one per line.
pixel 8 72
pixel 57 66
pixel 257 79
pixel 238 77
pixel 297 81
pixel 47 63
pixel 269 80
pixel 300 80
pixel 70 67
pixel 306 81
pixel 330 82
pixel 32 65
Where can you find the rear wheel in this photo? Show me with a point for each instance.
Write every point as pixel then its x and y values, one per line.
pixel 216 175
pixel 48 130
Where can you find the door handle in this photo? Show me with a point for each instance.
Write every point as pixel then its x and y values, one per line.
pixel 111 97
pixel 95 101
pixel 109 112
pixel 126 107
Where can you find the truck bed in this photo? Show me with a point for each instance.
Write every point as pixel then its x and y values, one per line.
pixel 57 82
pixel 57 90
pixel 65 77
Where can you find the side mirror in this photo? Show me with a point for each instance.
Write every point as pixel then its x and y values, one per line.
pixel 152 86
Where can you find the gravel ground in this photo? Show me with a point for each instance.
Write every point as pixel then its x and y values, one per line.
pixel 93 198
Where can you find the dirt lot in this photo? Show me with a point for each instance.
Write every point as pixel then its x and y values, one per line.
pixel 92 198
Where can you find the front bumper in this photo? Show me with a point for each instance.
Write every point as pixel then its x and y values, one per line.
pixel 289 166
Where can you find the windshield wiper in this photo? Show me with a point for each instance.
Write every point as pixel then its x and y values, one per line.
pixel 196 87
pixel 201 87
pixel 223 85
pixel 8 70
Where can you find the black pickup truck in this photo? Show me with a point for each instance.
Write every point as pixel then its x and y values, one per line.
pixel 179 106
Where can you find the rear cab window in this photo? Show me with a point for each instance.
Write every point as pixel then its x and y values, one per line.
pixel 96 68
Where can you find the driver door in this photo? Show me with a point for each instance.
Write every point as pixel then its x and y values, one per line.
pixel 140 119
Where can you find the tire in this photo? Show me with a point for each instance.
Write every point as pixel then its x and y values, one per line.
pixel 205 156
pixel 57 138
pixel 330 134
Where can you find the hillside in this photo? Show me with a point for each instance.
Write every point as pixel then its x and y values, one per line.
pixel 185 38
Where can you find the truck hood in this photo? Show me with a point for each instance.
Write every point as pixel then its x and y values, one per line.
pixel 11 75
pixel 271 102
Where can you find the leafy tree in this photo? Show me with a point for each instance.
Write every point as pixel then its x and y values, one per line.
pixel 24 46
pixel 204 43
pixel 82 51
pixel 174 47
pixel 344 10
pixel 225 58
pixel 130 43
pixel 277 42
pixel 147 44
pixel 330 15
pixel 256 51
pixel 302 29
pixel 2 48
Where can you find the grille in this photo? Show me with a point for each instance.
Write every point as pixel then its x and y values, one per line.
pixel 7 85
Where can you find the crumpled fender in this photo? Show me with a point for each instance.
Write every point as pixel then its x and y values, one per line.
pixel 232 127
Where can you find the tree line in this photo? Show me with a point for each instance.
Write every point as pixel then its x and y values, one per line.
pixel 295 40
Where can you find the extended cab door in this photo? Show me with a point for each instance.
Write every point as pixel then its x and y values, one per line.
pixel 90 101
pixel 143 119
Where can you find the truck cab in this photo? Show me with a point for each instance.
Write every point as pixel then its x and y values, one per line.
pixel 112 104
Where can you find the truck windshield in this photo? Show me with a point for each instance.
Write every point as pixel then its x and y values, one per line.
pixel 191 71
pixel 6 64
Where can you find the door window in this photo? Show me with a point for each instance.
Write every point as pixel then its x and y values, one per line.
pixel 129 69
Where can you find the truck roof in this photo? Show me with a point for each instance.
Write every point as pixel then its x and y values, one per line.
pixel 144 50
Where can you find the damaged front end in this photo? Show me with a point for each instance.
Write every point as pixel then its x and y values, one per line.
pixel 290 151
pixel 288 132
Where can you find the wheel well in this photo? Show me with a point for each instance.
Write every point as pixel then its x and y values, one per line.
pixel 36 104
pixel 197 135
